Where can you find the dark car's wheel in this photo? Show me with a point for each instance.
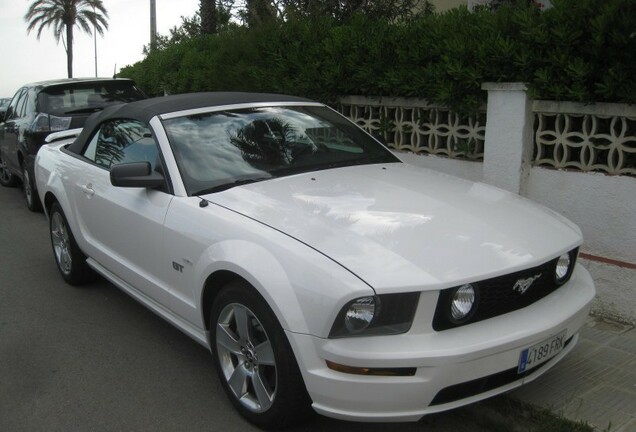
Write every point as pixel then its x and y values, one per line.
pixel 30 193
pixel 69 258
pixel 254 360
pixel 6 178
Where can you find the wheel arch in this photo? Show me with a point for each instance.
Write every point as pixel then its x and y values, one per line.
pixel 246 261
pixel 53 192
pixel 211 289
pixel 49 200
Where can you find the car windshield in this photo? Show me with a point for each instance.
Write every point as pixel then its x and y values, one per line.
pixel 218 150
pixel 78 98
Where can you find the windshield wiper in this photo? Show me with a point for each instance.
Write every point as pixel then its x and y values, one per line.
pixel 231 184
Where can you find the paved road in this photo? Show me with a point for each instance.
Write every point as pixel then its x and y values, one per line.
pixel 93 359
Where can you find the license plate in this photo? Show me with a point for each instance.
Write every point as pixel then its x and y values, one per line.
pixel 542 352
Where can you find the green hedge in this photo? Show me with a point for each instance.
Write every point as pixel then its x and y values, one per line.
pixel 579 50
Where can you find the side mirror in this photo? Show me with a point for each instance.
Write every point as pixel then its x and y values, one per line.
pixel 136 174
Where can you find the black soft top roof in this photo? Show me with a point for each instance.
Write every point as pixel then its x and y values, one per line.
pixel 144 110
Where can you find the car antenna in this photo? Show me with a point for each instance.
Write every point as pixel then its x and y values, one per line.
pixel 203 203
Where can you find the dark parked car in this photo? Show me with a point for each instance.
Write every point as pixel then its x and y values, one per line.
pixel 41 108
pixel 4 104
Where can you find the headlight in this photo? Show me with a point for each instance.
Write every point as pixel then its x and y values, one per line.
pixel 564 266
pixel 360 314
pixel 376 315
pixel 463 303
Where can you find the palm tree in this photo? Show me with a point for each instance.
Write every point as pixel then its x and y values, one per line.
pixel 63 15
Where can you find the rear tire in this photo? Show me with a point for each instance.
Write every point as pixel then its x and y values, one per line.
pixel 254 360
pixel 30 193
pixel 6 178
pixel 70 260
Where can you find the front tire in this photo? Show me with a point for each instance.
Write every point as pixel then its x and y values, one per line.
pixel 70 260
pixel 30 193
pixel 254 360
pixel 6 178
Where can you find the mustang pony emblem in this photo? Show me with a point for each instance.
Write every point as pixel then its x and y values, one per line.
pixel 522 285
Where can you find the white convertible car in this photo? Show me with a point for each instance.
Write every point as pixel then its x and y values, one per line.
pixel 319 269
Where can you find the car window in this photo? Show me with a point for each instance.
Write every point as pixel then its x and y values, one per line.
pixel 20 110
pixel 122 141
pixel 12 111
pixel 219 149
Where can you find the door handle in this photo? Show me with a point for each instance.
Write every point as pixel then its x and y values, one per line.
pixel 88 190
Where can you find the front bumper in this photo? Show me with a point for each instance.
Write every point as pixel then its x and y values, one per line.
pixel 451 364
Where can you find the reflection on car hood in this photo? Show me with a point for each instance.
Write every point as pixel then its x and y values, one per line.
pixel 400 227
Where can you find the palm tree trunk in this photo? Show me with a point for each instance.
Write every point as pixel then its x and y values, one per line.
pixel 69 49
pixel 209 16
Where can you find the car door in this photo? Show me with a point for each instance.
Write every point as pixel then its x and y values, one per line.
pixel 123 227
pixel 12 128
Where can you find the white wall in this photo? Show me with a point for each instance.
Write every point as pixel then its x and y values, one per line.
pixel 603 206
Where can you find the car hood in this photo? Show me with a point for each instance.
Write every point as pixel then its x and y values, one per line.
pixel 400 227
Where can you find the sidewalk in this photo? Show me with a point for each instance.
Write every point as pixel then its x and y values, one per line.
pixel 595 383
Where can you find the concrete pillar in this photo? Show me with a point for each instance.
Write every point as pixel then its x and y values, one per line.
pixel 509 131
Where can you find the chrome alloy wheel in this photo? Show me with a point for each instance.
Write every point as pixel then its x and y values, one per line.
pixel 246 357
pixel 28 189
pixel 61 243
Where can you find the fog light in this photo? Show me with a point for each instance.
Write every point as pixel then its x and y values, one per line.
pixel 463 302
pixel 360 314
pixel 563 267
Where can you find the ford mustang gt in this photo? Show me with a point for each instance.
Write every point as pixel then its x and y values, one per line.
pixel 320 270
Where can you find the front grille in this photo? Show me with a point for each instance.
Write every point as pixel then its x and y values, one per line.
pixel 497 296
pixel 481 385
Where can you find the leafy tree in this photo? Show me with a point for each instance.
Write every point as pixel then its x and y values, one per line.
pixel 215 15
pixel 344 10
pixel 578 50
pixel 63 15
pixel 258 12
pixel 190 28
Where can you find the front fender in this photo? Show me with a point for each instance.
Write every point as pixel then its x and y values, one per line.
pixel 304 289
pixel 262 270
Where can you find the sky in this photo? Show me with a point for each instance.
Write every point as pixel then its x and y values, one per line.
pixel 26 59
